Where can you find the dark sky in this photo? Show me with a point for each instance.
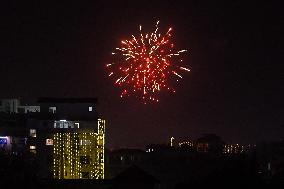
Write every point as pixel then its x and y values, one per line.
pixel 235 88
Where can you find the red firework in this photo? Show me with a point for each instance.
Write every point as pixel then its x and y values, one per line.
pixel 144 65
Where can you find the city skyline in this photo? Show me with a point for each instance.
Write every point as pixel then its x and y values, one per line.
pixel 234 89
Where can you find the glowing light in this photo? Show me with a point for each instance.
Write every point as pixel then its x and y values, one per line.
pixel 172 141
pixel 3 139
pixel 70 148
pixel 146 64
pixel 49 142
pixel 32 147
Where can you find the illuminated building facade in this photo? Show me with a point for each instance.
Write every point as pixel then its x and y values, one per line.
pixel 65 136
pixel 210 143
pixel 233 149
pixel 73 136
pixel 78 154
pixel 238 149
pixel 186 144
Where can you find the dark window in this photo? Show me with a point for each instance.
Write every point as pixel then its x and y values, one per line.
pixel 85 159
pixel 49 159
pixel 85 175
pixel 20 110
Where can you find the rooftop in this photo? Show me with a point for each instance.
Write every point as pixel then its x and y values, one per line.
pixel 66 100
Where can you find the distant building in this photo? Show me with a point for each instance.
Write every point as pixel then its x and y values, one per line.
pixel 210 143
pixel 13 133
pixel 233 149
pixel 9 105
pixel 28 109
pixel 13 106
pixel 157 148
pixel 119 160
pixel 202 147
pixel 186 144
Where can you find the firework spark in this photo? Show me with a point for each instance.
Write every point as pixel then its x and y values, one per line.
pixel 144 65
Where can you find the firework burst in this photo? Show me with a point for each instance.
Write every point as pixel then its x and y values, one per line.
pixel 145 64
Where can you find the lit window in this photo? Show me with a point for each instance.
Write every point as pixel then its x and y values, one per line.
pixel 85 160
pixel 32 132
pixel 61 124
pixel 32 147
pixel 90 108
pixel 85 142
pixel 49 142
pixel 52 110
pixel 65 124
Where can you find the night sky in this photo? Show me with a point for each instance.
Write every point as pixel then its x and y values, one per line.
pixel 235 87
